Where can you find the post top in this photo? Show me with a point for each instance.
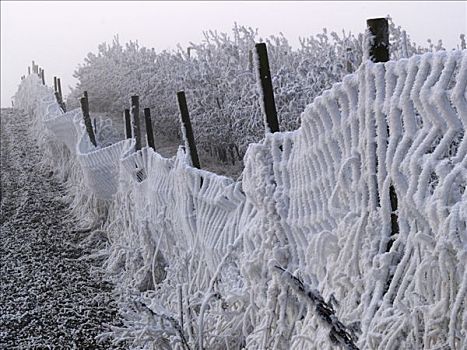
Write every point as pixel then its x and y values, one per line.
pixel 376 19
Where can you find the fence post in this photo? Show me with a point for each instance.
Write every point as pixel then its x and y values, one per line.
pixel 149 132
pixel 59 86
pixel 272 124
pixel 379 49
pixel 94 121
pixel 55 84
pixel 136 123
pixel 43 77
pixel 59 101
pixel 187 130
pixel 379 52
pixel 127 121
pixel 29 70
pixel 87 120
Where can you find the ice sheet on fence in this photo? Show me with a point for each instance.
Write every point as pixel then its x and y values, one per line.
pixel 185 205
pixel 63 126
pixel 101 166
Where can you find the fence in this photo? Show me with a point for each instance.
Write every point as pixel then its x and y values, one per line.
pixel 223 264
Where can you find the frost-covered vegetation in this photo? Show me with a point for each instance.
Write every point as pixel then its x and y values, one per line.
pixel 309 249
pixel 220 82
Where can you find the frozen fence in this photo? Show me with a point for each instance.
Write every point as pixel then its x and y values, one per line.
pixel 365 204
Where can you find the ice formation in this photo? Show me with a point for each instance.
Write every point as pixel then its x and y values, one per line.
pixel 207 262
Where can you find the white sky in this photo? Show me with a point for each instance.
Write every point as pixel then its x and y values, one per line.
pixel 59 34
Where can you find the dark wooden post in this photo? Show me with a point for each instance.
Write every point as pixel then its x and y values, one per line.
pixel 33 67
pixel 379 29
pixel 94 121
pixel 149 132
pixel 29 70
pixel 379 52
pixel 55 84
pixel 43 77
pixel 59 86
pixel 136 123
pixel 57 97
pixel 394 217
pixel 272 124
pixel 87 120
pixel 59 90
pixel 127 121
pixel 187 130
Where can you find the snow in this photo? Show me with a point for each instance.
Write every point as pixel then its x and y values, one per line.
pixel 199 250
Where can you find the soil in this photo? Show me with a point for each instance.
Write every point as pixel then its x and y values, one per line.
pixel 50 298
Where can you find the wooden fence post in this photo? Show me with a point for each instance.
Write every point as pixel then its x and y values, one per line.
pixel 379 52
pixel 149 132
pixel 136 123
pixel 272 124
pixel 87 120
pixel 43 77
pixel 29 70
pixel 187 130
pixel 94 121
pixel 55 84
pixel 59 86
pixel 62 103
pixel 127 121
pixel 379 29
pixel 85 95
pixel 59 101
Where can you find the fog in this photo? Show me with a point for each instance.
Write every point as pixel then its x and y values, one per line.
pixel 58 35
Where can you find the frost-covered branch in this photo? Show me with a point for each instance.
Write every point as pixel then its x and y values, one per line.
pixel 339 333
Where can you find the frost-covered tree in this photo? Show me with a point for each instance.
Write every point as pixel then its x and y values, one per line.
pixel 218 76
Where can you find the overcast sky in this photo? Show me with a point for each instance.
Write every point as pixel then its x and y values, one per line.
pixel 58 35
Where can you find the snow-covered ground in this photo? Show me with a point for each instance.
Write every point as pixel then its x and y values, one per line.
pixel 49 299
